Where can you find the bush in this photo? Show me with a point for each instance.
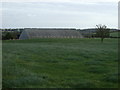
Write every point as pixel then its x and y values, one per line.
pixel 10 35
pixel 7 36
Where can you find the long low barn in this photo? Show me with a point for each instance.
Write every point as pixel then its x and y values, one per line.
pixel 49 33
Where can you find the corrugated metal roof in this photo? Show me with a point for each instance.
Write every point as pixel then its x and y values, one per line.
pixel 50 33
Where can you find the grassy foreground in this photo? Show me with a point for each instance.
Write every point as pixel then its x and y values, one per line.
pixel 0 64
pixel 60 63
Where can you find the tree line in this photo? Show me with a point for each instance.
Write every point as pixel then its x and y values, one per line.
pixel 101 31
pixel 8 34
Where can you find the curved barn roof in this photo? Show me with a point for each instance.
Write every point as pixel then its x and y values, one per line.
pixel 50 33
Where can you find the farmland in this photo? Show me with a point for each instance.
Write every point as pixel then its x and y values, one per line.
pixel 60 63
pixel 115 34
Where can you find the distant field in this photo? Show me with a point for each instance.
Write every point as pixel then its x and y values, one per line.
pixel 115 34
pixel 60 63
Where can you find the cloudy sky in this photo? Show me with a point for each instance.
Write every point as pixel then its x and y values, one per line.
pixel 59 13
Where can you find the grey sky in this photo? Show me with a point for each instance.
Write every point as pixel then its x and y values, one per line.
pixel 64 13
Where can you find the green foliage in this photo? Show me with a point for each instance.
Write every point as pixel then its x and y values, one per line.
pixel 7 36
pixel 10 35
pixel 59 63
pixel 102 32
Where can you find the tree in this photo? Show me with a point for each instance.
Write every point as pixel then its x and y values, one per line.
pixel 102 32
pixel 7 36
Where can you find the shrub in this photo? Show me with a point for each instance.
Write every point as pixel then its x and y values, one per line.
pixel 10 35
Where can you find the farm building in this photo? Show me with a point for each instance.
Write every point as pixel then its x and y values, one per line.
pixel 30 33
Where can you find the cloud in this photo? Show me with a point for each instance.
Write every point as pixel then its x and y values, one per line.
pixel 68 1
pixel 54 13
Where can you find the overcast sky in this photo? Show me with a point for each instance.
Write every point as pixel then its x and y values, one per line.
pixel 59 13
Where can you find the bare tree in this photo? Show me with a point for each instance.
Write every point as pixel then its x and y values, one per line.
pixel 102 32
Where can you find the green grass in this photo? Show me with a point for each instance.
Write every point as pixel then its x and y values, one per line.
pixel 60 63
pixel 115 34
pixel 0 64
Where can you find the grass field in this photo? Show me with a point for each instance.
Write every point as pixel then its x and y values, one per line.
pixel 0 64
pixel 60 63
pixel 115 34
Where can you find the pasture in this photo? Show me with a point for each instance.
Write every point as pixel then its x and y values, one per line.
pixel 115 34
pixel 60 63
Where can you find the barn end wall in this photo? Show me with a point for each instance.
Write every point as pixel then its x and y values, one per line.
pixel 24 35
